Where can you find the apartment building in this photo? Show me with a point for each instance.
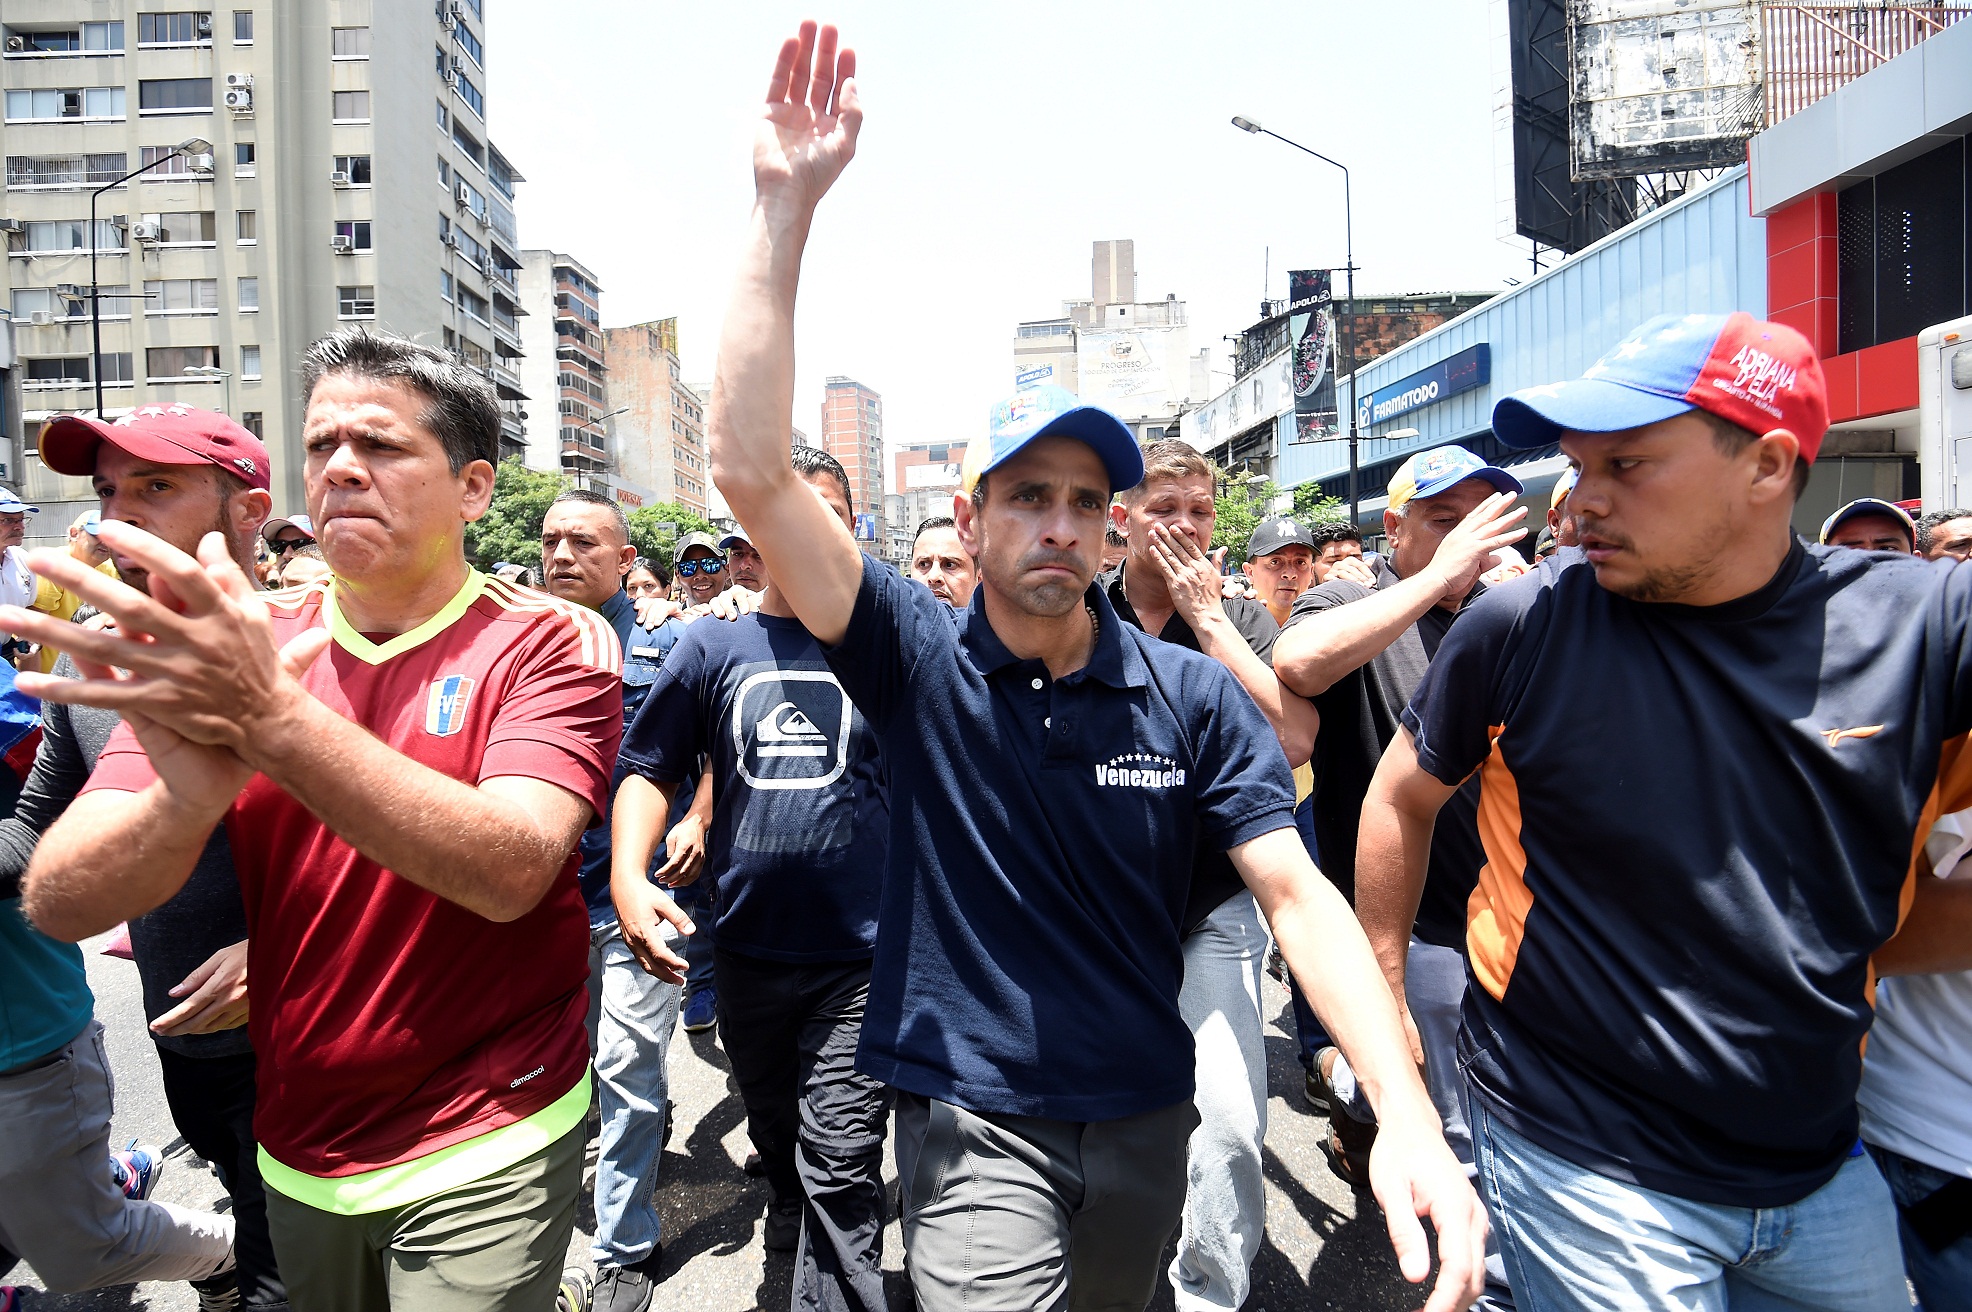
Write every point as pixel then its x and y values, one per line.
pixel 567 424
pixel 659 438
pixel 852 432
pixel 300 165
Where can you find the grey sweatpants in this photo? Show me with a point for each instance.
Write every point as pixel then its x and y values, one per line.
pixel 1021 1214
pixel 59 1209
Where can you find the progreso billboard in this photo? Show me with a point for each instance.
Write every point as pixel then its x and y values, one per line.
pixel 1470 368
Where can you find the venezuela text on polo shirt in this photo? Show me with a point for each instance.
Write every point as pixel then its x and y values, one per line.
pixel 389 1022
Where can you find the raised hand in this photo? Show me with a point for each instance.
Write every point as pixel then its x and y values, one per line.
pixel 808 133
pixel 1468 549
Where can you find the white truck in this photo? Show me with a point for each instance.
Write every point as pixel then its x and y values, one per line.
pixel 1944 414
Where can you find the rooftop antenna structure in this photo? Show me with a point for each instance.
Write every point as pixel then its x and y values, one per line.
pixel 1266 278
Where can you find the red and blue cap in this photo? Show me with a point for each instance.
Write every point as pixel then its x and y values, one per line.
pixel 1036 412
pixel 1757 375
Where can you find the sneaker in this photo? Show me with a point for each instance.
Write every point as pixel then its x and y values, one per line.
pixel 136 1170
pixel 220 1293
pixel 620 1289
pixel 782 1233
pixel 1347 1148
pixel 701 1010
pixel 577 1292
pixel 1319 1096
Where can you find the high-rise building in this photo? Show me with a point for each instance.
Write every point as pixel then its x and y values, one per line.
pixel 852 432
pixel 926 477
pixel 563 372
pixel 1113 272
pixel 309 170
pixel 659 439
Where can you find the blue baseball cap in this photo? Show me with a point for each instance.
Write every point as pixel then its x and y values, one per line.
pixel 11 504
pixel 1050 411
pixel 726 541
pixel 1440 469
pixel 1759 376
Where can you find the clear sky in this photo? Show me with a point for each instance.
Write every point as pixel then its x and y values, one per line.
pixel 1001 140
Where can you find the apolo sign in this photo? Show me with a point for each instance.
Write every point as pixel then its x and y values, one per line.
pixel 1470 368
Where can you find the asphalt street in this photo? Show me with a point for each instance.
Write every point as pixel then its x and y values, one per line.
pixel 1325 1247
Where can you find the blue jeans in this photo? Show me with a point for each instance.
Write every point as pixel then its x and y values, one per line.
pixel 1943 1280
pixel 1576 1239
pixel 634 1024
pixel 695 899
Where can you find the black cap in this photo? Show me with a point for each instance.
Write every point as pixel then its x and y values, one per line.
pixel 1273 534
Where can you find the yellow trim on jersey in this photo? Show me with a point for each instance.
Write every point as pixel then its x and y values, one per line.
pixel 390 1187
pixel 371 653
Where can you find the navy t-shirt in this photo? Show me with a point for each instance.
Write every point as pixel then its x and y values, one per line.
pixel 1698 822
pixel 1042 838
pixel 800 822
pixel 643 654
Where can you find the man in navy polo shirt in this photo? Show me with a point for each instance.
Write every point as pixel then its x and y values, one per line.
pixel 1702 748
pixel 1052 771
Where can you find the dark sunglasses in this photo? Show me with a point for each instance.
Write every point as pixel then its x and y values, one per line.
pixel 290 544
pixel 710 565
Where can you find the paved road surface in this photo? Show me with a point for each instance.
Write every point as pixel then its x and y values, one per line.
pixel 1325 1244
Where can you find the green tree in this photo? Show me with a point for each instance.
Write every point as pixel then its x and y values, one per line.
pixel 1313 506
pixel 1242 503
pixel 657 543
pixel 510 529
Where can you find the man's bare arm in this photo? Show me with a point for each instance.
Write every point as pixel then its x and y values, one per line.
pixel 1936 936
pixel 805 138
pixel 638 815
pixel 1412 1170
pixel 1393 850
pixel 111 857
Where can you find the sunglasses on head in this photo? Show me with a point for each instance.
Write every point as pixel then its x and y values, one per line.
pixel 710 565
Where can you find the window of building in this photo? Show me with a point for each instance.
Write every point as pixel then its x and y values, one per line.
pixel 119 369
pixel 445 286
pixel 350 107
pixel 246 228
pixel 470 94
pixel 469 247
pixel 88 38
pixel 56 372
pixel 444 231
pixel 467 142
pixel 255 422
pixel 444 174
pixel 167 364
pixel 245 159
pixel 444 119
pixel 185 227
pixel 477 12
pixel 50 105
pixel 178 29
pixel 1902 259
pixel 349 43
pixel 175 95
pixel 54 171
pixel 473 304
pixel 474 198
pixel 356 302
pixel 357 231
pixel 355 169
pixel 181 296
pixel 243 27
pixel 164 162
pixel 69 235
pixel 470 44
pixel 249 362
pixel 249 295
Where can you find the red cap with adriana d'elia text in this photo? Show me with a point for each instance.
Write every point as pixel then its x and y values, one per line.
pixel 169 434
pixel 1758 375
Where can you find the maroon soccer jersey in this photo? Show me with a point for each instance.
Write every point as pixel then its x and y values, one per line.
pixel 389 1022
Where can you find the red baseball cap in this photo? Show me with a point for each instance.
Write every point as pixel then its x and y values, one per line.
pixel 1758 375
pixel 172 434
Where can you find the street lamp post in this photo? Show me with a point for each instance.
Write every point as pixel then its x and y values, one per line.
pixel 1349 255
pixel 214 371
pixel 190 147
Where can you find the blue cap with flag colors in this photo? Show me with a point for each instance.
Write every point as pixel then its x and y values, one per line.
pixel 1038 412
pixel 1428 473
pixel 1759 376
pixel 11 504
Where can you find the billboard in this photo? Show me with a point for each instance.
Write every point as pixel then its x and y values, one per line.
pixel 932 476
pixel 1549 205
pixel 1311 330
pixel 1470 368
pixel 1034 377
pixel 1122 370
pixel 1657 86
pixel 1260 397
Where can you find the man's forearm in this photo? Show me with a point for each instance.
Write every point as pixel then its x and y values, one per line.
pixel 1293 717
pixel 1393 850
pixel 112 857
pixel 1936 936
pixel 638 816
pixel 1314 654
pixel 453 839
pixel 753 379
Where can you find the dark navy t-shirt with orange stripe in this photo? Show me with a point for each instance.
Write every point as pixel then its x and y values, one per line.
pixel 1698 824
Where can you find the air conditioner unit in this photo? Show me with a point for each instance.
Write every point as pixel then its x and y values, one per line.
pixel 16 44
pixel 461 195
pixel 449 242
pixel 146 231
pixel 10 225
pixel 69 291
pixel 240 100
pixel 342 244
pixel 239 80
pixel 338 179
pixel 452 78
pixel 457 66
pixel 199 163
pixel 40 318
pixel 205 26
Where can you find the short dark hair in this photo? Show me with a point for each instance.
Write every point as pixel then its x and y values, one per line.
pixel 586 497
pixel 1929 524
pixel 809 461
pixel 936 521
pixel 461 409
pixel 657 571
pixel 1333 530
pixel 1731 439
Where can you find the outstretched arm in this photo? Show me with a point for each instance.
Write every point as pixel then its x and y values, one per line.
pixel 805 138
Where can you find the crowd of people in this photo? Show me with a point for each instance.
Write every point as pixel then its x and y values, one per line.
pixel 1591 868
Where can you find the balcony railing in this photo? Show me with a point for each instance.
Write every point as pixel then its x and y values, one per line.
pixel 1811 50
